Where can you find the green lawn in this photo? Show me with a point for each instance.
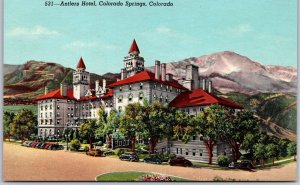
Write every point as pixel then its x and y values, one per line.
pixel 128 176
pixel 18 108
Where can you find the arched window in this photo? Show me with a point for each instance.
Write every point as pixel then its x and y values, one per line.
pixel 160 98
pixel 154 96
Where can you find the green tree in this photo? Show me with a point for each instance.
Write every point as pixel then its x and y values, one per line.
pixel 8 118
pixel 24 124
pixel 292 149
pixel 75 144
pixel 71 134
pixel 249 141
pixel 282 145
pixel 131 123
pixel 260 152
pixel 237 127
pixel 215 116
pixel 272 151
pixel 76 134
pixel 87 130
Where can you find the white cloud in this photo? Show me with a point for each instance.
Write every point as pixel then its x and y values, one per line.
pixel 167 31
pixel 239 29
pixel 86 45
pixel 36 31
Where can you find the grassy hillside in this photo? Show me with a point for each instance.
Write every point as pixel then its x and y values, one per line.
pixel 18 108
pixel 278 108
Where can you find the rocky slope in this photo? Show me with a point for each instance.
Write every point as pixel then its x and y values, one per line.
pixel 231 72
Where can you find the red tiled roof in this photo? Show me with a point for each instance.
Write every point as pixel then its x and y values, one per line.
pixel 146 76
pixel 81 64
pixel 199 97
pixel 134 47
pixel 56 94
pixel 93 97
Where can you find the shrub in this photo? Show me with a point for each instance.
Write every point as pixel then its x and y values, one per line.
pixel 172 155
pixel 84 142
pixel 75 144
pixel 86 148
pixel 223 160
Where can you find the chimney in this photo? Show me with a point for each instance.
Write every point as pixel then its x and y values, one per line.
pixel 169 77
pixel 46 90
pixel 157 70
pixel 209 86
pixel 163 71
pixel 123 74
pixel 63 89
pixel 104 85
pixel 203 84
pixel 97 86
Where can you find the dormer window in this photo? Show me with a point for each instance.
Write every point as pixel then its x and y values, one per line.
pixel 120 88
pixel 130 87
pixel 141 85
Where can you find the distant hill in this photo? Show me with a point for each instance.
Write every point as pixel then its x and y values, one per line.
pixel 29 80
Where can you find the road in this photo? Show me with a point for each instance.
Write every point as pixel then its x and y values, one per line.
pixel 30 164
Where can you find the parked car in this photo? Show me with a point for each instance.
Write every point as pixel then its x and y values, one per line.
pixel 33 144
pixel 180 161
pixel 233 165
pixel 95 153
pixel 110 152
pixel 27 143
pixel 247 165
pixel 47 145
pixel 153 159
pixel 40 145
pixel 55 147
pixel 129 157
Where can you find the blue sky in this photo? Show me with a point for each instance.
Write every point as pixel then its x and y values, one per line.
pixel 263 30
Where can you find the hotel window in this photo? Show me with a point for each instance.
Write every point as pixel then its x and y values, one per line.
pixel 50 107
pixel 57 107
pixel 130 87
pixel 176 150
pixel 50 114
pixel 194 152
pixel 42 121
pixel 46 121
pixel 50 121
pixel 201 138
pixel 141 85
pixel 166 99
pixel 180 150
pixel 111 104
pixel 120 109
pixel 186 152
pixel 167 88
pixel 161 98
pixel 201 151
pixel 154 86
pixel 46 114
pixel 120 99
pixel 141 96
pixel 130 97
pixel 154 97
pixel 41 115
pixel 120 88
pixel 194 137
pixel 57 122
pixel 41 107
pixel 94 105
pixel 46 107
pixel 58 114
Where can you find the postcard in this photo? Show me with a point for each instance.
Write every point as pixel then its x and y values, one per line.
pixel 150 91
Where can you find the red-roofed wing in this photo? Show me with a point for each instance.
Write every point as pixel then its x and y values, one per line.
pixel 198 97
pixel 146 76
pixel 56 94
pixel 134 47
pixel 81 64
